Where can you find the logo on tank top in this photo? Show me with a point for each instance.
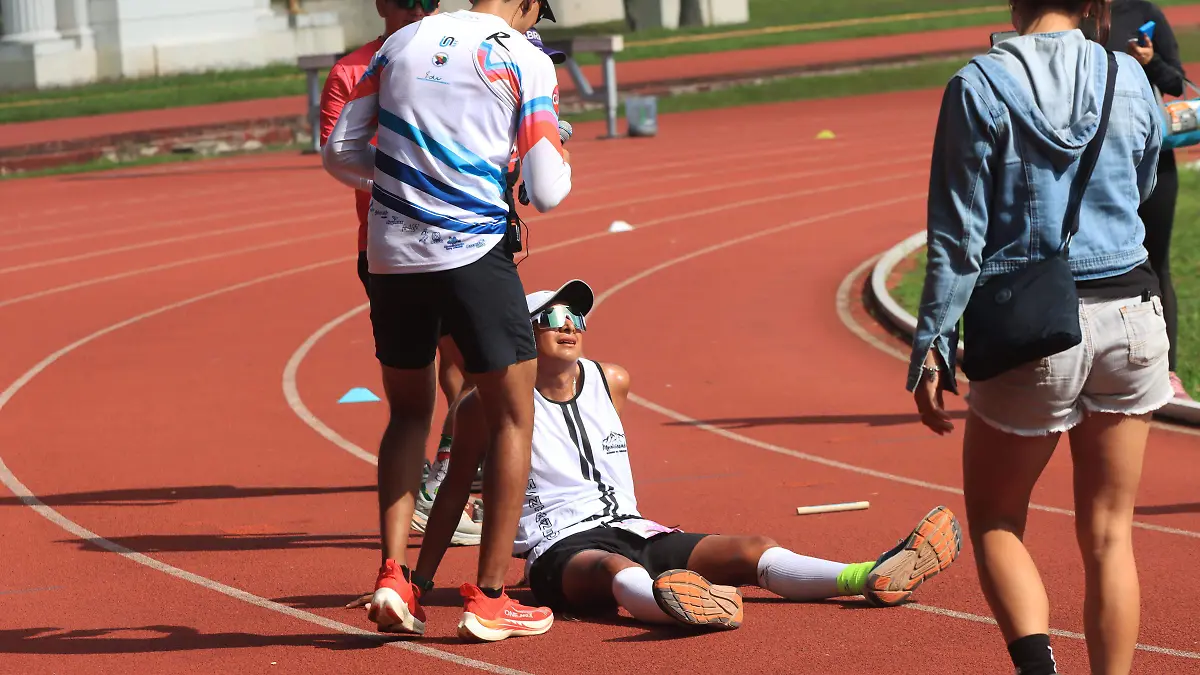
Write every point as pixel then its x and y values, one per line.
pixel 614 444
pixel 440 59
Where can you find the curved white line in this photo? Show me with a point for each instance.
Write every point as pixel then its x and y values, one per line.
pixel 291 392
pixel 29 499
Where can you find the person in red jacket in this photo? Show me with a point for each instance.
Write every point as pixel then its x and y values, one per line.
pixel 343 77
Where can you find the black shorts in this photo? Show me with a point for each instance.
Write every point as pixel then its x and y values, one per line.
pixel 662 552
pixel 481 305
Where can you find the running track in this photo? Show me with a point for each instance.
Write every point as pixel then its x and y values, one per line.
pixel 176 339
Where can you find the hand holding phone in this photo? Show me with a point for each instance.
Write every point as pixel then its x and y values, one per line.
pixel 1146 33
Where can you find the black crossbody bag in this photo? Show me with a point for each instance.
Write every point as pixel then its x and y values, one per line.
pixel 1022 316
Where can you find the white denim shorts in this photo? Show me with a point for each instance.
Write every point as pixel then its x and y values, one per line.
pixel 1120 367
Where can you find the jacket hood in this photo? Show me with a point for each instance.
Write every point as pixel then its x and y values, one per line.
pixel 1053 87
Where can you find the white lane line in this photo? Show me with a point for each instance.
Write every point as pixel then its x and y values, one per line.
pixel 29 499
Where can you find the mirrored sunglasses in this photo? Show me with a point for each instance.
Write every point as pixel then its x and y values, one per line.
pixel 556 317
pixel 427 5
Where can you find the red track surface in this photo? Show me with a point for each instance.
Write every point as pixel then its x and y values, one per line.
pixel 150 409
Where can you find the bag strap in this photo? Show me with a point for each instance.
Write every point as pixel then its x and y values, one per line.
pixel 1087 163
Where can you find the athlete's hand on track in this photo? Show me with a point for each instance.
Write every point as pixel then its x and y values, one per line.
pixel 928 396
pixel 364 601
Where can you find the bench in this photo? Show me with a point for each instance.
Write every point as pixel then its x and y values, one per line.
pixel 605 45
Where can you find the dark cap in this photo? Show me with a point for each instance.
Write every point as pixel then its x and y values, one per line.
pixel 535 38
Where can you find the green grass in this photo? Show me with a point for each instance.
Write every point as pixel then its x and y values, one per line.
pixel 774 13
pixel 869 81
pixel 1185 272
pixel 153 94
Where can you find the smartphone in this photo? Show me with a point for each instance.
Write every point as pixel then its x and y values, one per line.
pixel 1145 33
pixel 997 38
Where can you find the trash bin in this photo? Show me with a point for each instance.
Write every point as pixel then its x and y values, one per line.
pixel 641 113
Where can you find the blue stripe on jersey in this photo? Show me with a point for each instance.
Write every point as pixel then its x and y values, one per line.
pixel 378 63
pixel 538 104
pixel 407 208
pixel 436 188
pixel 471 164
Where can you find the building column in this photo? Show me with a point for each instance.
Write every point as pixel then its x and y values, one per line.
pixel 29 21
pixel 73 21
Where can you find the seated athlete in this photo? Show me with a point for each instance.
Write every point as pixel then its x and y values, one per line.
pixel 586 546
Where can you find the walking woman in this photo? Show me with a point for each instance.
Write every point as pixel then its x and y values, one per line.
pixel 1159 58
pixel 1046 133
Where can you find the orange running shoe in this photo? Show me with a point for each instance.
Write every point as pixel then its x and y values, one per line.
pixel 395 608
pixel 493 619
pixel 933 545
pixel 691 600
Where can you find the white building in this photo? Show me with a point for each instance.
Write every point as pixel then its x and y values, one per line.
pixel 49 43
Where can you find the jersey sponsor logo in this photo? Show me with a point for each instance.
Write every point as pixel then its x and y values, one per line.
pixel 614 443
pixel 453 243
pixel 402 223
pixel 440 59
pixel 431 237
pixel 448 41
pixel 430 77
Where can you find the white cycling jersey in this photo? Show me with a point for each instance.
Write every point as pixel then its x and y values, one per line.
pixel 450 96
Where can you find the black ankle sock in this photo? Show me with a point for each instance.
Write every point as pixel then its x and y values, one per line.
pixel 1032 655
pixel 492 593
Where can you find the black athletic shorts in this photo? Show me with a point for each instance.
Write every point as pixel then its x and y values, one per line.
pixel 662 552
pixel 481 305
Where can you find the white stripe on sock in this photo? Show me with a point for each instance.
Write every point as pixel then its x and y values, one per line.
pixel 634 590
pixel 798 577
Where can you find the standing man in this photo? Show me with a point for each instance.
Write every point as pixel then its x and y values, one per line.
pixel 450 96
pixel 343 77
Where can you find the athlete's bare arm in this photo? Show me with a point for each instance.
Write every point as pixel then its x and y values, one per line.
pixel 618 384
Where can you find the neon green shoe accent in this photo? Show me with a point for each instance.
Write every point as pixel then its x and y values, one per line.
pixel 853 579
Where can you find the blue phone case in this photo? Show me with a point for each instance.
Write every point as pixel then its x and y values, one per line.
pixel 1146 29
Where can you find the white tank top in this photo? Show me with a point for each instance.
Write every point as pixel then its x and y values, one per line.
pixel 579 475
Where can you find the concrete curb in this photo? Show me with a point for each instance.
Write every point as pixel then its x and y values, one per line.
pixel 897 317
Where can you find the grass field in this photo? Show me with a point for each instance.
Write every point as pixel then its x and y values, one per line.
pixel 1185 271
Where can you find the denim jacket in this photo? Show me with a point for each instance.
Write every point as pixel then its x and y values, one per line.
pixel 1013 125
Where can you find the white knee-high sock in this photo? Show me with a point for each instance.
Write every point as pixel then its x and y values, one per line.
pixel 798 577
pixel 634 590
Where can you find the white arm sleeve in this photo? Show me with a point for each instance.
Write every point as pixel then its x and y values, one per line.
pixel 348 154
pixel 547 174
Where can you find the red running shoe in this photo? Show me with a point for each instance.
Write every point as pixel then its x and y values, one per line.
pixel 395 608
pixel 492 619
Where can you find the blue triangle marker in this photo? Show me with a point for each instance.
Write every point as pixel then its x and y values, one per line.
pixel 359 395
